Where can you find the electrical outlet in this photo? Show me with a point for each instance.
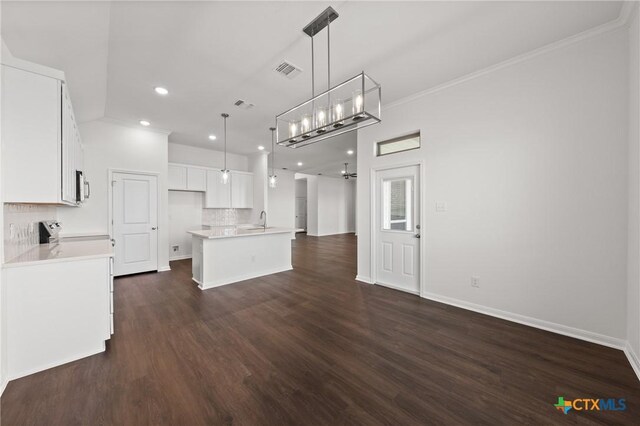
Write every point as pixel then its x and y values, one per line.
pixel 176 248
pixel 475 282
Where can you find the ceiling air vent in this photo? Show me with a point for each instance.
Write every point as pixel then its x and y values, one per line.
pixel 289 70
pixel 240 103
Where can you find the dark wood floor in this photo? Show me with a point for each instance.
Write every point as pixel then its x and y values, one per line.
pixel 313 346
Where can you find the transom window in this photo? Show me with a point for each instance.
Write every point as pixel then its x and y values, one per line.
pixel 400 144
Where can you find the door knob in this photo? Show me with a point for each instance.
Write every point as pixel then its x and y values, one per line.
pixel 113 242
pixel 154 228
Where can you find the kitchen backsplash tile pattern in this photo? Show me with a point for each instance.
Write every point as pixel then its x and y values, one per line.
pixel 225 217
pixel 21 227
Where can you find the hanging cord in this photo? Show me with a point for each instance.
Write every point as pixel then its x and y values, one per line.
pixel 224 118
pixel 273 152
pixel 313 77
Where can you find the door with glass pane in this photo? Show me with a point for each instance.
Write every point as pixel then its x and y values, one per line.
pixel 398 228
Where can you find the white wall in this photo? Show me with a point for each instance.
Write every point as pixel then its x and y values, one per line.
pixel 312 204
pixel 351 196
pixel 330 208
pixel 4 50
pixel 633 267
pixel 108 145
pixel 301 188
pixel 185 214
pixel 531 160
pixel 281 201
pixel 186 154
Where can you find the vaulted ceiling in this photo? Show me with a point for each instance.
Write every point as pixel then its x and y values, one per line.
pixel 209 54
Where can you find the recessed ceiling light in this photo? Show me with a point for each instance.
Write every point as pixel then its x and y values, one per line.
pixel 299 163
pixel 261 148
pixel 161 91
pixel 212 137
pixel 350 152
pixel 144 123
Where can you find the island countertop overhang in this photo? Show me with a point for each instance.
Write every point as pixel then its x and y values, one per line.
pixel 234 232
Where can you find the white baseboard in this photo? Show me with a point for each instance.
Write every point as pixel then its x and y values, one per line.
pixel 365 280
pixel 394 287
pixel 329 234
pixel 164 268
pixel 633 358
pixel 242 277
pixel 577 333
pixel 186 256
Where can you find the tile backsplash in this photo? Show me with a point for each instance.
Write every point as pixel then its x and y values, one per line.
pixel 225 217
pixel 21 227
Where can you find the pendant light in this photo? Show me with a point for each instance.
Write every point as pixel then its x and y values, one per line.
pixel 225 172
pixel 273 179
pixel 346 107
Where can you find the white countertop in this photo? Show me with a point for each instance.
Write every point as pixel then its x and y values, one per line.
pixel 63 251
pixel 214 232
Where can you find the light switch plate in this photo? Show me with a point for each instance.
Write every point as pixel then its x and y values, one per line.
pixel 441 206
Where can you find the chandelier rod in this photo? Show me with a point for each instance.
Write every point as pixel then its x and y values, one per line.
pixel 328 53
pixel 313 69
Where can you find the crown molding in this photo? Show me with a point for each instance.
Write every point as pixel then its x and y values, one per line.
pixel 627 11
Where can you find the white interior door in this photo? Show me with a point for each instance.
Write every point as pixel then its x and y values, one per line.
pixel 135 223
pixel 301 213
pixel 398 228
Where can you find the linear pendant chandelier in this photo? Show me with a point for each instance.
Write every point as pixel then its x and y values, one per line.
pixel 351 105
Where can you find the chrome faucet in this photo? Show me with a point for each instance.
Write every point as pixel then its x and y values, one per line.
pixel 263 213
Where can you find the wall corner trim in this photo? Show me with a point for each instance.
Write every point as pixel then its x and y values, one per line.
pixel 633 358
pixel 565 330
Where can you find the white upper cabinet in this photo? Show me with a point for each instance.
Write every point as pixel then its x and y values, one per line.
pixel 241 190
pixel 218 195
pixel 196 179
pixel 71 145
pixel 40 138
pixel 187 178
pixel 177 177
pixel 237 193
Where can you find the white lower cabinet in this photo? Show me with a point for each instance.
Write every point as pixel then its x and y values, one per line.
pixel 56 313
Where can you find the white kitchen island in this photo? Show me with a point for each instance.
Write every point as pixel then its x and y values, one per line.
pixel 225 255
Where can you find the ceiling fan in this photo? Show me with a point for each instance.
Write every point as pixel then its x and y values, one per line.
pixel 346 173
